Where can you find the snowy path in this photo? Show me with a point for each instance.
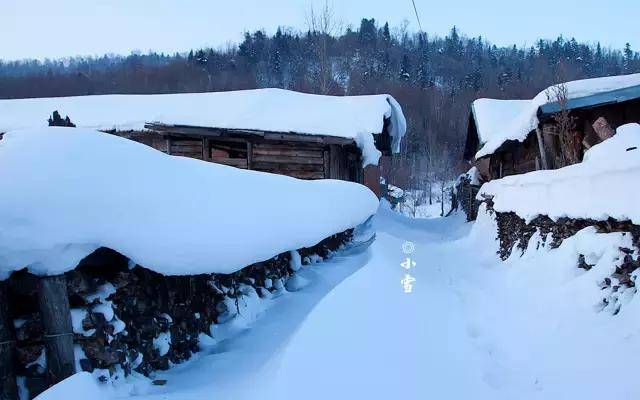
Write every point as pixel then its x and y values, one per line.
pixel 387 343
pixel 235 368
pixel 473 327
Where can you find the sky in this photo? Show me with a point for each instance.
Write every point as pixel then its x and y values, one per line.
pixel 42 28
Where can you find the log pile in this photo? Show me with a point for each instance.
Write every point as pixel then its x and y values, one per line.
pixel 466 198
pixel 514 235
pixel 121 312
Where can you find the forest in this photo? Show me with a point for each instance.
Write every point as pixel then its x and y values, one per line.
pixel 434 78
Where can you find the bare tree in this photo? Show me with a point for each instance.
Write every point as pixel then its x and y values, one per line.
pixel 323 26
pixel 570 142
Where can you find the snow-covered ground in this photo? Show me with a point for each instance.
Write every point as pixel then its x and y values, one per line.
pixel 473 327
pixel 415 203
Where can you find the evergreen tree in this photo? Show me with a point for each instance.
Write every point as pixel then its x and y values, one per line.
pixel 405 68
pixel 628 58
pixel 367 33
pixel 386 35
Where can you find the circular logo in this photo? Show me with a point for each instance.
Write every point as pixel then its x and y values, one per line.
pixel 408 247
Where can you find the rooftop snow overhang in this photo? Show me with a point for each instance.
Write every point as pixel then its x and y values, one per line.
pixel 501 121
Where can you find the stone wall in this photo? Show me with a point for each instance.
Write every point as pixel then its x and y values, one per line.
pixel 129 318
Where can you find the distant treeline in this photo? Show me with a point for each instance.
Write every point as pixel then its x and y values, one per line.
pixel 434 78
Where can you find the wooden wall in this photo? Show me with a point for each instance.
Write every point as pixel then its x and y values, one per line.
pixel 299 159
pixel 516 158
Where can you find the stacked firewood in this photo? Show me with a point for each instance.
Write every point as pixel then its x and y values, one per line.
pixel 128 318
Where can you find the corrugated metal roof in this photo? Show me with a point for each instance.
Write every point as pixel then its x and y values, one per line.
pixel 598 99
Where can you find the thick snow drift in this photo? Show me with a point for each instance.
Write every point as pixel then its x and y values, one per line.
pixel 274 110
pixel 500 120
pixel 79 386
pixel 65 192
pixel 603 185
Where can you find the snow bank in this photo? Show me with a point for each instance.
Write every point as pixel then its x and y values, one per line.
pixel 604 185
pixel 274 110
pixel 79 386
pixel 65 192
pixel 498 121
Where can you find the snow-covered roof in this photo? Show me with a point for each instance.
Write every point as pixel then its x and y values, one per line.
pixel 603 185
pixel 498 121
pixel 64 192
pixel 273 110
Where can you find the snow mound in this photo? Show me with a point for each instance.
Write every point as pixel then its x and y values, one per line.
pixel 604 185
pixel 79 386
pixel 498 121
pixel 273 110
pixel 64 192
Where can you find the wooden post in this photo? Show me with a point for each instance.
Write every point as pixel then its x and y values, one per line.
pixel 168 145
pixel 336 162
pixel 8 388
pixel 206 149
pixel 543 154
pixel 58 332
pixel 249 155
pixel 326 167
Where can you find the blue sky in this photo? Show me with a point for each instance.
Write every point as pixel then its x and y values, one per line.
pixel 42 28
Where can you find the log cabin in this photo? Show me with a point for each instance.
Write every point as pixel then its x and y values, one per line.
pixel 508 137
pixel 272 130
pixel 275 131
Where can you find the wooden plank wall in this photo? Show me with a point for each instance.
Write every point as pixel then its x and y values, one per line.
pixel 186 147
pixel 304 160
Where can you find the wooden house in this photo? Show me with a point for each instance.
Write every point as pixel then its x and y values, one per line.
pixel 507 137
pixel 271 130
pixel 298 155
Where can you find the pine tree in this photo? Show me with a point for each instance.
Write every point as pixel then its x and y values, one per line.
pixel 367 33
pixel 628 58
pixel 405 67
pixel 386 35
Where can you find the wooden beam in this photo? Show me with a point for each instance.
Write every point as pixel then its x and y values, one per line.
pixel 336 161
pixel 8 387
pixel 265 144
pixel 320 139
pixel 186 142
pixel 234 162
pixel 325 158
pixel 169 145
pixel 543 153
pixel 227 147
pixel 293 152
pixel 206 149
pixel 288 160
pixel 176 148
pixel 249 155
pixel 264 166
pixel 199 131
pixel 58 331
pixel 298 174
